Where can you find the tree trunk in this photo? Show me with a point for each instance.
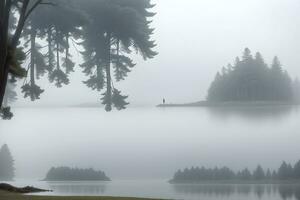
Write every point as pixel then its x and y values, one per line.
pixel 50 57
pixel 57 51
pixel 108 74
pixel 4 66
pixel 67 47
pixel 5 101
pixel 4 76
pixel 68 67
pixel 32 60
pixel 57 56
pixel 20 26
pixel 5 10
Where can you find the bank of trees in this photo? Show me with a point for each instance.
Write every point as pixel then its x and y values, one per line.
pixel 251 79
pixel 7 170
pixel 285 172
pixel 105 32
pixel 75 174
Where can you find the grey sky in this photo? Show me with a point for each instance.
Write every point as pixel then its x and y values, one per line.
pixel 195 39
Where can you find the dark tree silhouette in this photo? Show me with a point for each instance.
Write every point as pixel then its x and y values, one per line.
pixel 10 56
pixel 108 30
pixel 244 175
pixel 57 24
pixel 259 173
pixel 297 170
pixel 250 79
pixel 75 174
pixel 116 28
pixel 284 173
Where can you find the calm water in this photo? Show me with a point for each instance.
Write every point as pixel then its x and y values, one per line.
pixel 147 144
pixel 161 189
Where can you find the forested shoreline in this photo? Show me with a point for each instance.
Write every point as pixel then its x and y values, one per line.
pixel 285 173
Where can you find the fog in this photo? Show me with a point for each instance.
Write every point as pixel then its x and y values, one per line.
pixel 149 143
pixel 195 39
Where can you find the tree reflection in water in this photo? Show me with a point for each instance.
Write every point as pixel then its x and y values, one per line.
pixel 78 188
pixel 285 191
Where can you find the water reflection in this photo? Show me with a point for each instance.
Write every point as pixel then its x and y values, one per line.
pixel 287 191
pixel 253 112
pixel 78 188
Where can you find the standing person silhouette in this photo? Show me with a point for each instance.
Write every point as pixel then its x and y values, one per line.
pixel 164 101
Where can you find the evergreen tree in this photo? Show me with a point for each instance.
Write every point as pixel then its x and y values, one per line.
pixel 285 171
pixel 274 175
pixel 58 25
pixel 108 30
pixel 269 175
pixel 247 55
pixel 259 173
pixel 66 23
pixel 245 175
pixel 7 171
pixel 296 173
pixel 116 28
pixel 250 79
pixel 281 88
pixel 11 56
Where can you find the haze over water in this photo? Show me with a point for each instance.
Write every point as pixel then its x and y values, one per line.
pixel 143 143
pixel 145 146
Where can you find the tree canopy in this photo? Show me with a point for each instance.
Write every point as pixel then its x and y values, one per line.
pixel 75 174
pixel 107 32
pixel 116 28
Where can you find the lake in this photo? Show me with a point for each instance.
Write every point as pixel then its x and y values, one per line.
pixel 161 189
pixel 147 145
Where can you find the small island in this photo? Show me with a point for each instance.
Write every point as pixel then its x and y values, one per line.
pixel 75 174
pixel 286 173
pixel 250 82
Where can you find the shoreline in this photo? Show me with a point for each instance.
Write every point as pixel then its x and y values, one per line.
pixel 17 196
pixel 8 191
pixel 230 104
pixel 237 182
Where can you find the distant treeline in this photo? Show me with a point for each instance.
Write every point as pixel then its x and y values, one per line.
pixel 251 79
pixel 285 172
pixel 75 174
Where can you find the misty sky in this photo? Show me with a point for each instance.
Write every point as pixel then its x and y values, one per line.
pixel 195 39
